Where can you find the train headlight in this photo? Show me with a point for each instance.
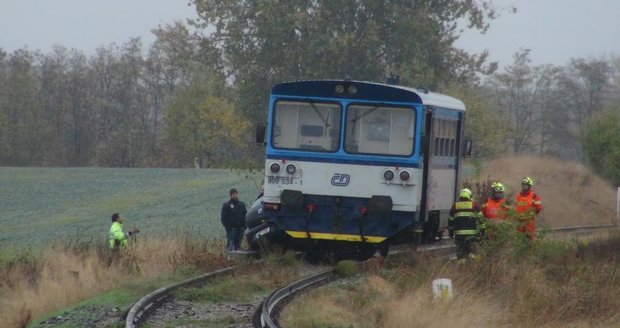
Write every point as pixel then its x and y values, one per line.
pixel 352 89
pixel 339 89
pixel 274 167
pixel 405 175
pixel 291 168
pixel 388 175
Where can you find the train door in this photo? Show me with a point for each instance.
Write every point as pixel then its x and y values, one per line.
pixel 429 223
pixel 442 129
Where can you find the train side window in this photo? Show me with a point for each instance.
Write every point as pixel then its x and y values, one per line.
pixel 452 147
pixel 442 148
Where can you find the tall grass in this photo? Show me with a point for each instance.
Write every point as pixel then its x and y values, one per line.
pixel 35 284
pixel 514 283
pixel 572 195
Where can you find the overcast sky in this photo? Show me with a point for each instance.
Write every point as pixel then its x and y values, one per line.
pixel 554 30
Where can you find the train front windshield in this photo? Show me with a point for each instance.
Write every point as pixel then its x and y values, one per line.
pixel 307 125
pixel 315 126
pixel 379 130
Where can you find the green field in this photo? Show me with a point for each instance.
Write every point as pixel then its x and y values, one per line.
pixel 43 205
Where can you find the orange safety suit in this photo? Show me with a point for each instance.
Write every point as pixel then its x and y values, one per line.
pixel 495 210
pixel 527 207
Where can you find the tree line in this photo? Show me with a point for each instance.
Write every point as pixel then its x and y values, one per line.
pixel 199 89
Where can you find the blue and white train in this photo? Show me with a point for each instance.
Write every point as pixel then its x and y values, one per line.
pixel 353 167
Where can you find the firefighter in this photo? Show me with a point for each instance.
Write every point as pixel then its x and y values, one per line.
pixel 463 223
pixel 496 208
pixel 528 206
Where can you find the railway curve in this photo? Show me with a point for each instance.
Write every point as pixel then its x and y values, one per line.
pixel 265 313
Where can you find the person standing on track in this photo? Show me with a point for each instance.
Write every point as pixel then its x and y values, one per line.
pixel 528 207
pixel 233 220
pixel 463 223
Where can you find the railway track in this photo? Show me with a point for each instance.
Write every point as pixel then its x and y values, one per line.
pixel 149 303
pixel 263 314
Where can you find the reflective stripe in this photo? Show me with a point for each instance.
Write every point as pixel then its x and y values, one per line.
pixel 465 232
pixel 462 214
pixel 335 236
pixel 464 205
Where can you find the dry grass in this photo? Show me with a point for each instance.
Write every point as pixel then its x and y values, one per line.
pixel 34 285
pixel 514 283
pixel 571 194
pixel 547 286
pixel 548 283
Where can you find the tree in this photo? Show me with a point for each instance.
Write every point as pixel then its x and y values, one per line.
pixel 524 96
pixel 201 125
pixel 270 41
pixel 26 135
pixel 601 143
pixel 582 90
pixel 487 129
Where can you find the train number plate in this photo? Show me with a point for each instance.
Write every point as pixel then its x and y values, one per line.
pixel 284 180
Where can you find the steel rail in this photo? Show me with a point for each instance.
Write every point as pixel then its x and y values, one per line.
pixel 271 306
pixel 582 228
pixel 273 303
pixel 141 309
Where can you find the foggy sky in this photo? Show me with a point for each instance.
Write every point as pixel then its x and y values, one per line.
pixel 555 30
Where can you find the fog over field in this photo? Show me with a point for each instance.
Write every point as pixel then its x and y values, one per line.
pixel 42 205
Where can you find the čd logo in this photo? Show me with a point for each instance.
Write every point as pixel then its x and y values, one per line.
pixel 341 180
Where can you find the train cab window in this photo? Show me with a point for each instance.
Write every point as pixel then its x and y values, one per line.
pixel 379 130
pixel 452 138
pixel 436 134
pixel 311 126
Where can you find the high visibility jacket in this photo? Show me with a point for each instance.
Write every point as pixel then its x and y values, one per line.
pixel 117 237
pixel 464 217
pixel 528 205
pixel 495 209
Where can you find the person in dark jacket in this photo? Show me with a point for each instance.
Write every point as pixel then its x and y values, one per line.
pixel 233 220
pixel 463 223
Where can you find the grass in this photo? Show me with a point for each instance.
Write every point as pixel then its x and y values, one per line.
pixel 44 205
pixel 55 222
pixel 514 283
pixel 71 273
pixel 571 194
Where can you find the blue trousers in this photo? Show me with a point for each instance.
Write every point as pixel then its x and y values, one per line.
pixel 234 236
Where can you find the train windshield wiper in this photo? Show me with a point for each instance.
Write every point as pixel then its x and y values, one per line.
pixel 323 119
pixel 358 117
pixel 364 114
pixel 318 113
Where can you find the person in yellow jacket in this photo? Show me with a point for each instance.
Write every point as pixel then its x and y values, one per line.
pixel 463 223
pixel 117 238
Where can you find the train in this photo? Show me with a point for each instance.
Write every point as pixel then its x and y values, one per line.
pixel 353 167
